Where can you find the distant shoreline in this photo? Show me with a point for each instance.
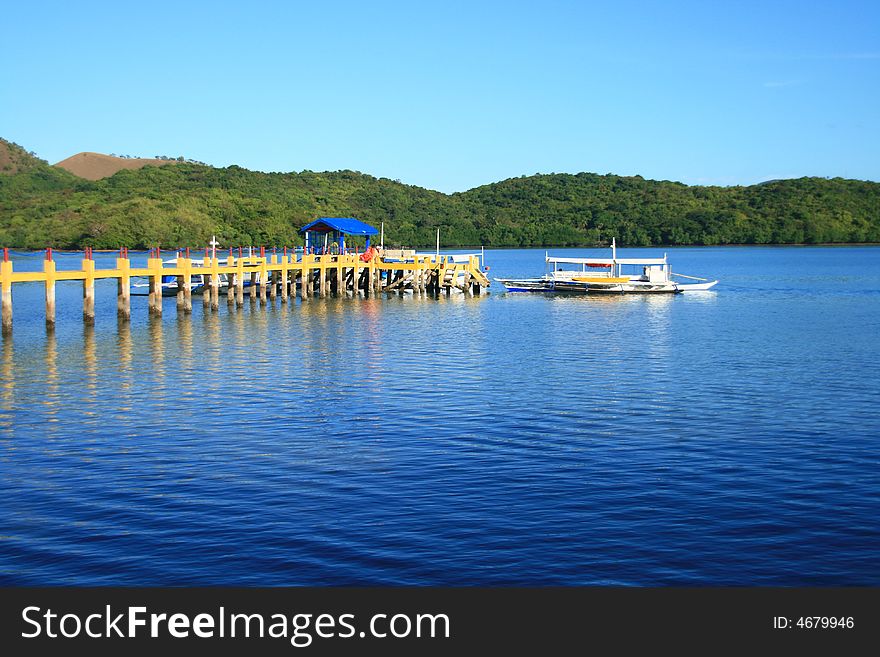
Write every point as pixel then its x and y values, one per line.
pixel 198 249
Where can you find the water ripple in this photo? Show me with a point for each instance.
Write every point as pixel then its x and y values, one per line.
pixel 507 439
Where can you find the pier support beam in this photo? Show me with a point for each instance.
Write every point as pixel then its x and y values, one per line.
pixel 49 269
pixel 215 289
pixel 89 292
pixel 6 297
pixel 305 278
pixel 187 289
pixel 274 277
pixel 285 282
pixel 123 290
pixel 322 282
pixel 155 264
pixel 179 296
pixel 264 277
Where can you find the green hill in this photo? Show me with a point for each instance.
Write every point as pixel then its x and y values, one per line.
pixel 14 159
pixel 185 204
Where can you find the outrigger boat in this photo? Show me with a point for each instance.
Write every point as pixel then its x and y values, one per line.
pixel 607 276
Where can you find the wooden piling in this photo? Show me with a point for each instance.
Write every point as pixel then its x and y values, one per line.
pixel 264 279
pixel 285 280
pixel 305 278
pixel 319 275
pixel 215 285
pixel 187 294
pixel 155 267
pixel 179 295
pixel 88 267
pixel 230 280
pixel 322 281
pixel 239 281
pixel 6 300
pixel 49 269
pixel 123 289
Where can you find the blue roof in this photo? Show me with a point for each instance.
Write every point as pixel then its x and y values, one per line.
pixel 345 225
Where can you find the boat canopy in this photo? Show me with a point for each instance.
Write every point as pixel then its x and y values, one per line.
pixel 602 262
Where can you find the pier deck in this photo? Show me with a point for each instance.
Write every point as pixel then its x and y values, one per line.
pixel 275 275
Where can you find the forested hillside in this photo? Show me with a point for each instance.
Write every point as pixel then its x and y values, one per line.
pixel 185 204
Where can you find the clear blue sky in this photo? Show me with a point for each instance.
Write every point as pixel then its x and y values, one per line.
pixel 451 95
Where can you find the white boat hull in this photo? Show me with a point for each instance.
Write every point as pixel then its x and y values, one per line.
pixel 696 287
pixel 577 287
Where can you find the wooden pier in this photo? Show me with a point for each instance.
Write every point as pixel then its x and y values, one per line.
pixel 277 275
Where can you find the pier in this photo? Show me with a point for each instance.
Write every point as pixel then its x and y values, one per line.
pixel 265 276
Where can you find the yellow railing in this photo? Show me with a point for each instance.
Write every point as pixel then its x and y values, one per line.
pixel 275 275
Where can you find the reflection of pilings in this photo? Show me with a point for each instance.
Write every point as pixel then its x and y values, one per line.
pixel 211 349
pixel 8 371
pixel 157 348
pixel 123 355
pixel 123 397
pixel 90 361
pixel 50 357
pixel 184 335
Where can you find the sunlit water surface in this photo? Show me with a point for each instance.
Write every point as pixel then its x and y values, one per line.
pixel 729 437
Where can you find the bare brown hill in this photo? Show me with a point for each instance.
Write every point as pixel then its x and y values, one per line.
pixel 94 166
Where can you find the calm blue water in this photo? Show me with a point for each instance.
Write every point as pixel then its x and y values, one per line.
pixel 729 437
